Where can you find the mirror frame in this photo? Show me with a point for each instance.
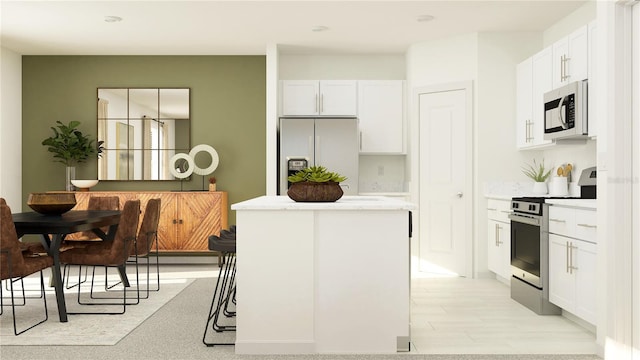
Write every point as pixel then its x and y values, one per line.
pixel 144 109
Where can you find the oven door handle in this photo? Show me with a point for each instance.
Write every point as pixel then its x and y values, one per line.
pixel 524 219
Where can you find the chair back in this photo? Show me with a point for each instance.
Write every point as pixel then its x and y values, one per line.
pixel 3 201
pixel 9 243
pixel 127 228
pixel 148 228
pixel 100 203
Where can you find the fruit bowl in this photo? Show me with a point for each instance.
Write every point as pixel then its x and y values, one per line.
pixel 84 185
pixel 51 203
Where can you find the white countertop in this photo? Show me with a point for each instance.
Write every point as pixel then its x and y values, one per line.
pixel 576 203
pixel 344 203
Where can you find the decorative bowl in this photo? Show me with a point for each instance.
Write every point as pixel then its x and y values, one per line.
pixel 51 203
pixel 84 185
pixel 307 191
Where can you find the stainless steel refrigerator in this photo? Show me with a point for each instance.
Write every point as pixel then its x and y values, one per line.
pixel 329 142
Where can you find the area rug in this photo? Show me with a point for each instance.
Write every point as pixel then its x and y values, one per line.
pixel 81 329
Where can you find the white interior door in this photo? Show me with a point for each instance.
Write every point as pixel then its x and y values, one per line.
pixel 445 185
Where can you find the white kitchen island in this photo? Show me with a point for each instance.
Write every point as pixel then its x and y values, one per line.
pixel 322 277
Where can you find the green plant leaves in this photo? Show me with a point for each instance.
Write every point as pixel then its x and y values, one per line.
pixel 316 174
pixel 69 145
pixel 536 171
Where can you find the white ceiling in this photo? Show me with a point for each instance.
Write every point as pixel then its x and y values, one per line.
pixel 247 27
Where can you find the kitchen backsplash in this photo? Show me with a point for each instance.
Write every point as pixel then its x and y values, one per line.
pixel 382 173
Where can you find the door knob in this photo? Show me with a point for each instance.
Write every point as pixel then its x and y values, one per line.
pixel 459 194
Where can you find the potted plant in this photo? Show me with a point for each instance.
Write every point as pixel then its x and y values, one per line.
pixel 212 183
pixel 71 147
pixel 315 184
pixel 539 175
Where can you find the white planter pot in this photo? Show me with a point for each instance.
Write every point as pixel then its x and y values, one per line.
pixel 540 188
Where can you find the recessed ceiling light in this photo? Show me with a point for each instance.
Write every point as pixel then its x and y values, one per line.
pixel 425 18
pixel 319 28
pixel 112 19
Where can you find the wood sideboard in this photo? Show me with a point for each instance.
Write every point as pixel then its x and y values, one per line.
pixel 187 219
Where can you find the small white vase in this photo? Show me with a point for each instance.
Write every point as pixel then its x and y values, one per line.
pixel 540 188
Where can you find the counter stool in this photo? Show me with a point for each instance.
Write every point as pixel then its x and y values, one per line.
pixel 224 292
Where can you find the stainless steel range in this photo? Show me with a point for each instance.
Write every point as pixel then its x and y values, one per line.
pixel 530 255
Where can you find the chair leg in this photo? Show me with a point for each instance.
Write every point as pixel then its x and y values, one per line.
pixel 124 299
pixel 66 276
pixel 13 304
pixel 221 295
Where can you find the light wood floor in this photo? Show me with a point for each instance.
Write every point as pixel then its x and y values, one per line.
pixel 454 315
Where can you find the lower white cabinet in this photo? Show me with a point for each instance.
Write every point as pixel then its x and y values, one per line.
pixel 572 280
pixel 499 237
pixel 499 248
pixel 572 261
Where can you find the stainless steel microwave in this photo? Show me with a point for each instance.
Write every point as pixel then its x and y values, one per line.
pixel 565 112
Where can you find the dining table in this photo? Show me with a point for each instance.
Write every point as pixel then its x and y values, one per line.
pixel 54 228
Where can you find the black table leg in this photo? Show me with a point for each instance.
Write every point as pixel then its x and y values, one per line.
pixel 123 275
pixel 54 251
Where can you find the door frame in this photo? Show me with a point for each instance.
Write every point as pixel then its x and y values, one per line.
pixel 469 197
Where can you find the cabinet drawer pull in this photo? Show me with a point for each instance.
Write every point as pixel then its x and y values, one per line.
pixel 505 211
pixel 567 250
pixel 492 209
pixel 558 220
pixel 588 226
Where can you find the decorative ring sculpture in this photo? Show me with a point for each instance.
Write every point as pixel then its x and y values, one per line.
pixel 214 159
pixel 189 161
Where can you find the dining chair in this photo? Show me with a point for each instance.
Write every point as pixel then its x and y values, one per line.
pixel 113 253
pixel 147 237
pixel 95 203
pixel 16 262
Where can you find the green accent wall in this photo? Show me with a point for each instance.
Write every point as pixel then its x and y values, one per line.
pixel 228 97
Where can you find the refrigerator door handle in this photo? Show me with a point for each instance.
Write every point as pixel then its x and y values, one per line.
pixel 316 157
pixel 310 150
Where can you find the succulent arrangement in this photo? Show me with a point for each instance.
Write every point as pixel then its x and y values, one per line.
pixel 317 174
pixel 69 145
pixel 537 172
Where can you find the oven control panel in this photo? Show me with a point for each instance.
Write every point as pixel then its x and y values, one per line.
pixel 526 207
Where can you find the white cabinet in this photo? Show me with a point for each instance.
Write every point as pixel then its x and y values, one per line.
pixel 318 98
pixel 572 261
pixel 533 79
pixel 570 57
pixel 499 237
pixel 381 116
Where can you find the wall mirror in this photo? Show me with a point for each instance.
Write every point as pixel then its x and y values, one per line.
pixel 142 129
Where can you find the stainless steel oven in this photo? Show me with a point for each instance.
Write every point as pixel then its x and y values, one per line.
pixel 530 255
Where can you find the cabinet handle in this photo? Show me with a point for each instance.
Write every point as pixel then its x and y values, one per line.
pixel 497 235
pixel 588 226
pixel 175 221
pixel 567 250
pixel 566 69
pixel 180 222
pixel 505 211
pixel 561 68
pixel 571 267
pixel 316 103
pixel 492 209
pixel 558 220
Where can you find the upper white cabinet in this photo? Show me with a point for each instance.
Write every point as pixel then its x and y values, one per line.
pixel 533 79
pixel 381 116
pixel 319 98
pixel 570 57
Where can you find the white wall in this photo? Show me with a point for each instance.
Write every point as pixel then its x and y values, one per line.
pixel 11 128
pixel 341 67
